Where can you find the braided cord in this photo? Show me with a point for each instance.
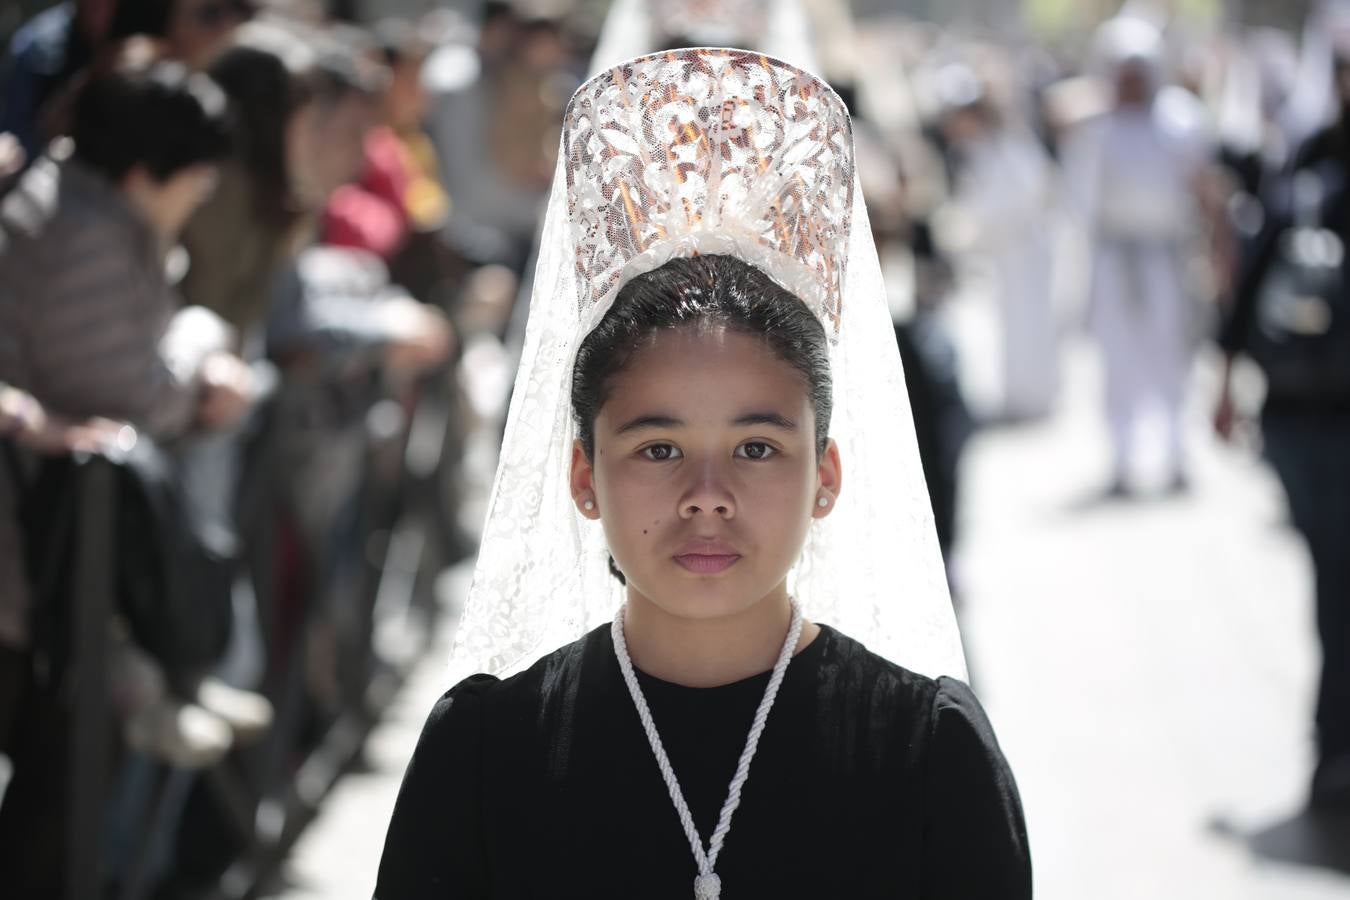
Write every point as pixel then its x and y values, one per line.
pixel 706 860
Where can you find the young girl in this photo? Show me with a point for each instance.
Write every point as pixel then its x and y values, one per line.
pixel 703 356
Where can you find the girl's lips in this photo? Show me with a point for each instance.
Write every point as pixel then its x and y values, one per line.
pixel 707 563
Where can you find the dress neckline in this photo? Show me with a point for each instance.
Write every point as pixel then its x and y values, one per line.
pixel 806 657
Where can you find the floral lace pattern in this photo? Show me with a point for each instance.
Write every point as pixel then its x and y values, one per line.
pixel 709 151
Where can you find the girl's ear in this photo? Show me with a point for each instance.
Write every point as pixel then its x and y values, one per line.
pixel 829 478
pixel 583 483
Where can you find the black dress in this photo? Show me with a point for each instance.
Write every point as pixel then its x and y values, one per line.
pixel 870 781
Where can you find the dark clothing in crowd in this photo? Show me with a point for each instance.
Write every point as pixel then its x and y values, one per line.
pixel 42 57
pixel 1311 456
pixel 1306 425
pixel 942 422
pixel 869 781
pixel 1328 154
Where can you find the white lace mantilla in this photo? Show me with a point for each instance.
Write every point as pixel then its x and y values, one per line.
pixel 701 151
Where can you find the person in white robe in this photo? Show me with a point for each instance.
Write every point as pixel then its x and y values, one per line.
pixel 1001 186
pixel 1136 174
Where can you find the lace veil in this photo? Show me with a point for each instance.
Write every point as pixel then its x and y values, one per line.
pixel 709 150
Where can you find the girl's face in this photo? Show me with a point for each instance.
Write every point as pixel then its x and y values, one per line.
pixel 705 475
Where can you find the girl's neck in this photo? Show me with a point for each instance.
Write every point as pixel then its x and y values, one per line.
pixel 709 652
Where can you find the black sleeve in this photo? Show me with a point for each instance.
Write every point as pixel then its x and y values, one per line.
pixel 434 847
pixel 975 839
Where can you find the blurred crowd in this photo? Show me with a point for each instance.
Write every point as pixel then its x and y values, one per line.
pixel 260 269
pixel 257 277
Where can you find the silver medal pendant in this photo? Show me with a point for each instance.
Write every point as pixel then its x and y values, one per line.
pixel 707 887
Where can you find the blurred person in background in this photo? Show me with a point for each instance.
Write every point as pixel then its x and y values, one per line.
pixel 498 32
pixel 942 420
pixel 86 315
pixel 900 226
pixel 302 109
pixel 305 103
pixel 397 206
pixel 196 31
pixel 86 239
pixel 478 95
pixel 1001 184
pixel 1291 314
pixel 530 96
pixel 328 317
pixel 48 53
pixel 1136 175
pixel 44 54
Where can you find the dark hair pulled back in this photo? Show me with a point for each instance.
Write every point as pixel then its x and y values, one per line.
pixel 702 291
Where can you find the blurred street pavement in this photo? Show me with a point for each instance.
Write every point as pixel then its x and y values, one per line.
pixel 1148 663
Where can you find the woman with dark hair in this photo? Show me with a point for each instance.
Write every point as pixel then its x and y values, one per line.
pixel 303 105
pixel 708 341
pixel 87 243
pixel 304 102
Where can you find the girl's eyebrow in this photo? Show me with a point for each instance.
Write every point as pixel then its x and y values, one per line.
pixel 649 421
pixel 766 418
pixel 657 420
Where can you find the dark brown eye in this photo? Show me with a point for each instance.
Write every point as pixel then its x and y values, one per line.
pixel 661 452
pixel 755 450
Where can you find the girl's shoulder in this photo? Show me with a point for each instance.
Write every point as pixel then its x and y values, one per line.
pixel 552 677
pixel 846 668
pixel 849 660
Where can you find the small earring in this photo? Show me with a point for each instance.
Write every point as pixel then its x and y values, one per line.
pixel 823 502
pixel 589 505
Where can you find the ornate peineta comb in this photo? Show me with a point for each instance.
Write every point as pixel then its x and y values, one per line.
pixel 709 151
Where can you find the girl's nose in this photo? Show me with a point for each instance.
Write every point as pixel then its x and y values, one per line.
pixel 709 494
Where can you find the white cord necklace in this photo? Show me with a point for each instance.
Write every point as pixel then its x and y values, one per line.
pixel 707 886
